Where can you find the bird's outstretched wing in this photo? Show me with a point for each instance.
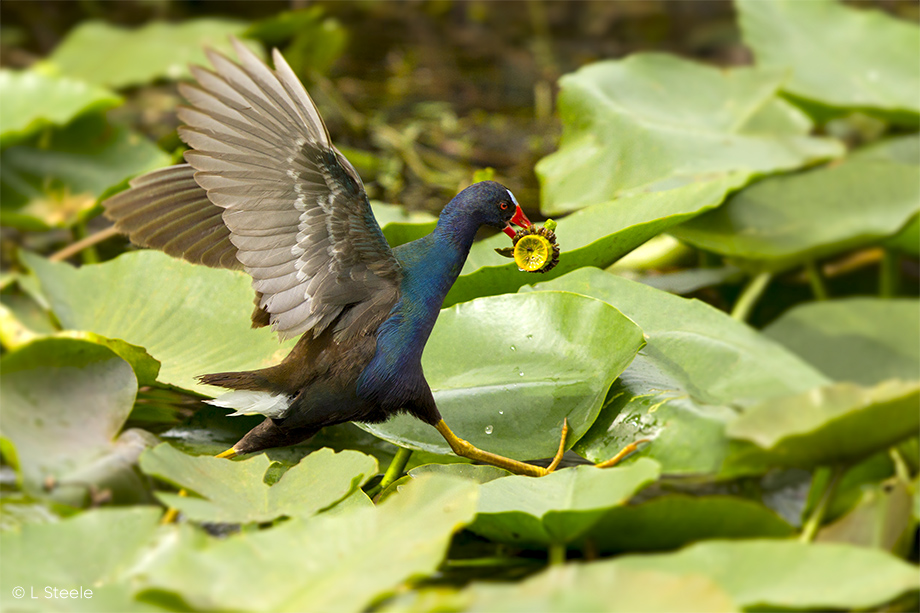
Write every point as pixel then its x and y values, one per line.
pixel 166 209
pixel 292 210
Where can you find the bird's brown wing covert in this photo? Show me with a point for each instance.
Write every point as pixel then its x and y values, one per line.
pixel 264 189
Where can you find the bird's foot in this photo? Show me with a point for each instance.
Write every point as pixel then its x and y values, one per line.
pixel 467 450
pixel 172 515
pixel 561 451
pixel 625 451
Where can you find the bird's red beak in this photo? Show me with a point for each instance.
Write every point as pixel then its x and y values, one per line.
pixel 519 219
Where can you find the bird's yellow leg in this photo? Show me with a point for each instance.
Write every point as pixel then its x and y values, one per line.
pixel 172 514
pixel 625 451
pixel 467 450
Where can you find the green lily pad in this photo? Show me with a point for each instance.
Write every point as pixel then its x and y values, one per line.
pixel 57 181
pixel 786 220
pixel 881 519
pixel 23 311
pixel 64 404
pixel 557 508
pixel 698 369
pixel 506 370
pixel 772 574
pixel 687 281
pixel 339 562
pixel 157 50
pixel 854 481
pixel 18 509
pixel 640 526
pixel 477 473
pixel 91 551
pixel 908 239
pixel 236 492
pixel 836 423
pixel 30 100
pixel 651 122
pixel 599 586
pixel 173 313
pixel 836 55
pixel 864 340
pixel 15 334
pixel 597 235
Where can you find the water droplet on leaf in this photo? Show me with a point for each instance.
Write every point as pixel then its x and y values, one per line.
pixel 488 429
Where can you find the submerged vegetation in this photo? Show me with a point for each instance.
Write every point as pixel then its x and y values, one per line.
pixel 736 189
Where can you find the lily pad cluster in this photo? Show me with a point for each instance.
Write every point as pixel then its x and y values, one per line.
pixel 780 400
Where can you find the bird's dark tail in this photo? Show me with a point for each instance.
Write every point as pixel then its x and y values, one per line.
pixel 253 380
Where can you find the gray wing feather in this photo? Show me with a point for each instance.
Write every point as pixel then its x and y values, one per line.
pixel 166 209
pixel 296 210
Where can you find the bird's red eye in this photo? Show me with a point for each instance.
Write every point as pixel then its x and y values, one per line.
pixel 504 206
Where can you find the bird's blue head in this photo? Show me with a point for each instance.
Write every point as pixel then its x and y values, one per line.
pixel 492 204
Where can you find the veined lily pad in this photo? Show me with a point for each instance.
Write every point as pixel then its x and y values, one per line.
pixel 599 586
pixel 14 334
pixel 73 554
pixel 864 340
pixel 838 56
pixel 653 122
pixel 786 220
pixel 236 491
pixel 316 563
pixel 789 574
pixel 881 519
pixel 699 368
pixel 557 508
pixel 64 404
pixel 836 423
pixel 638 526
pixel 173 313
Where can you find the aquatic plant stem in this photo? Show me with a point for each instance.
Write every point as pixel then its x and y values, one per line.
pixel 816 280
pixel 396 469
pixel 750 295
pixel 84 243
pixel 89 253
pixel 810 529
pixel 900 465
pixel 889 274
pixel 557 554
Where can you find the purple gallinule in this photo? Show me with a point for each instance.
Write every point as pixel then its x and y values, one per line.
pixel 265 190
